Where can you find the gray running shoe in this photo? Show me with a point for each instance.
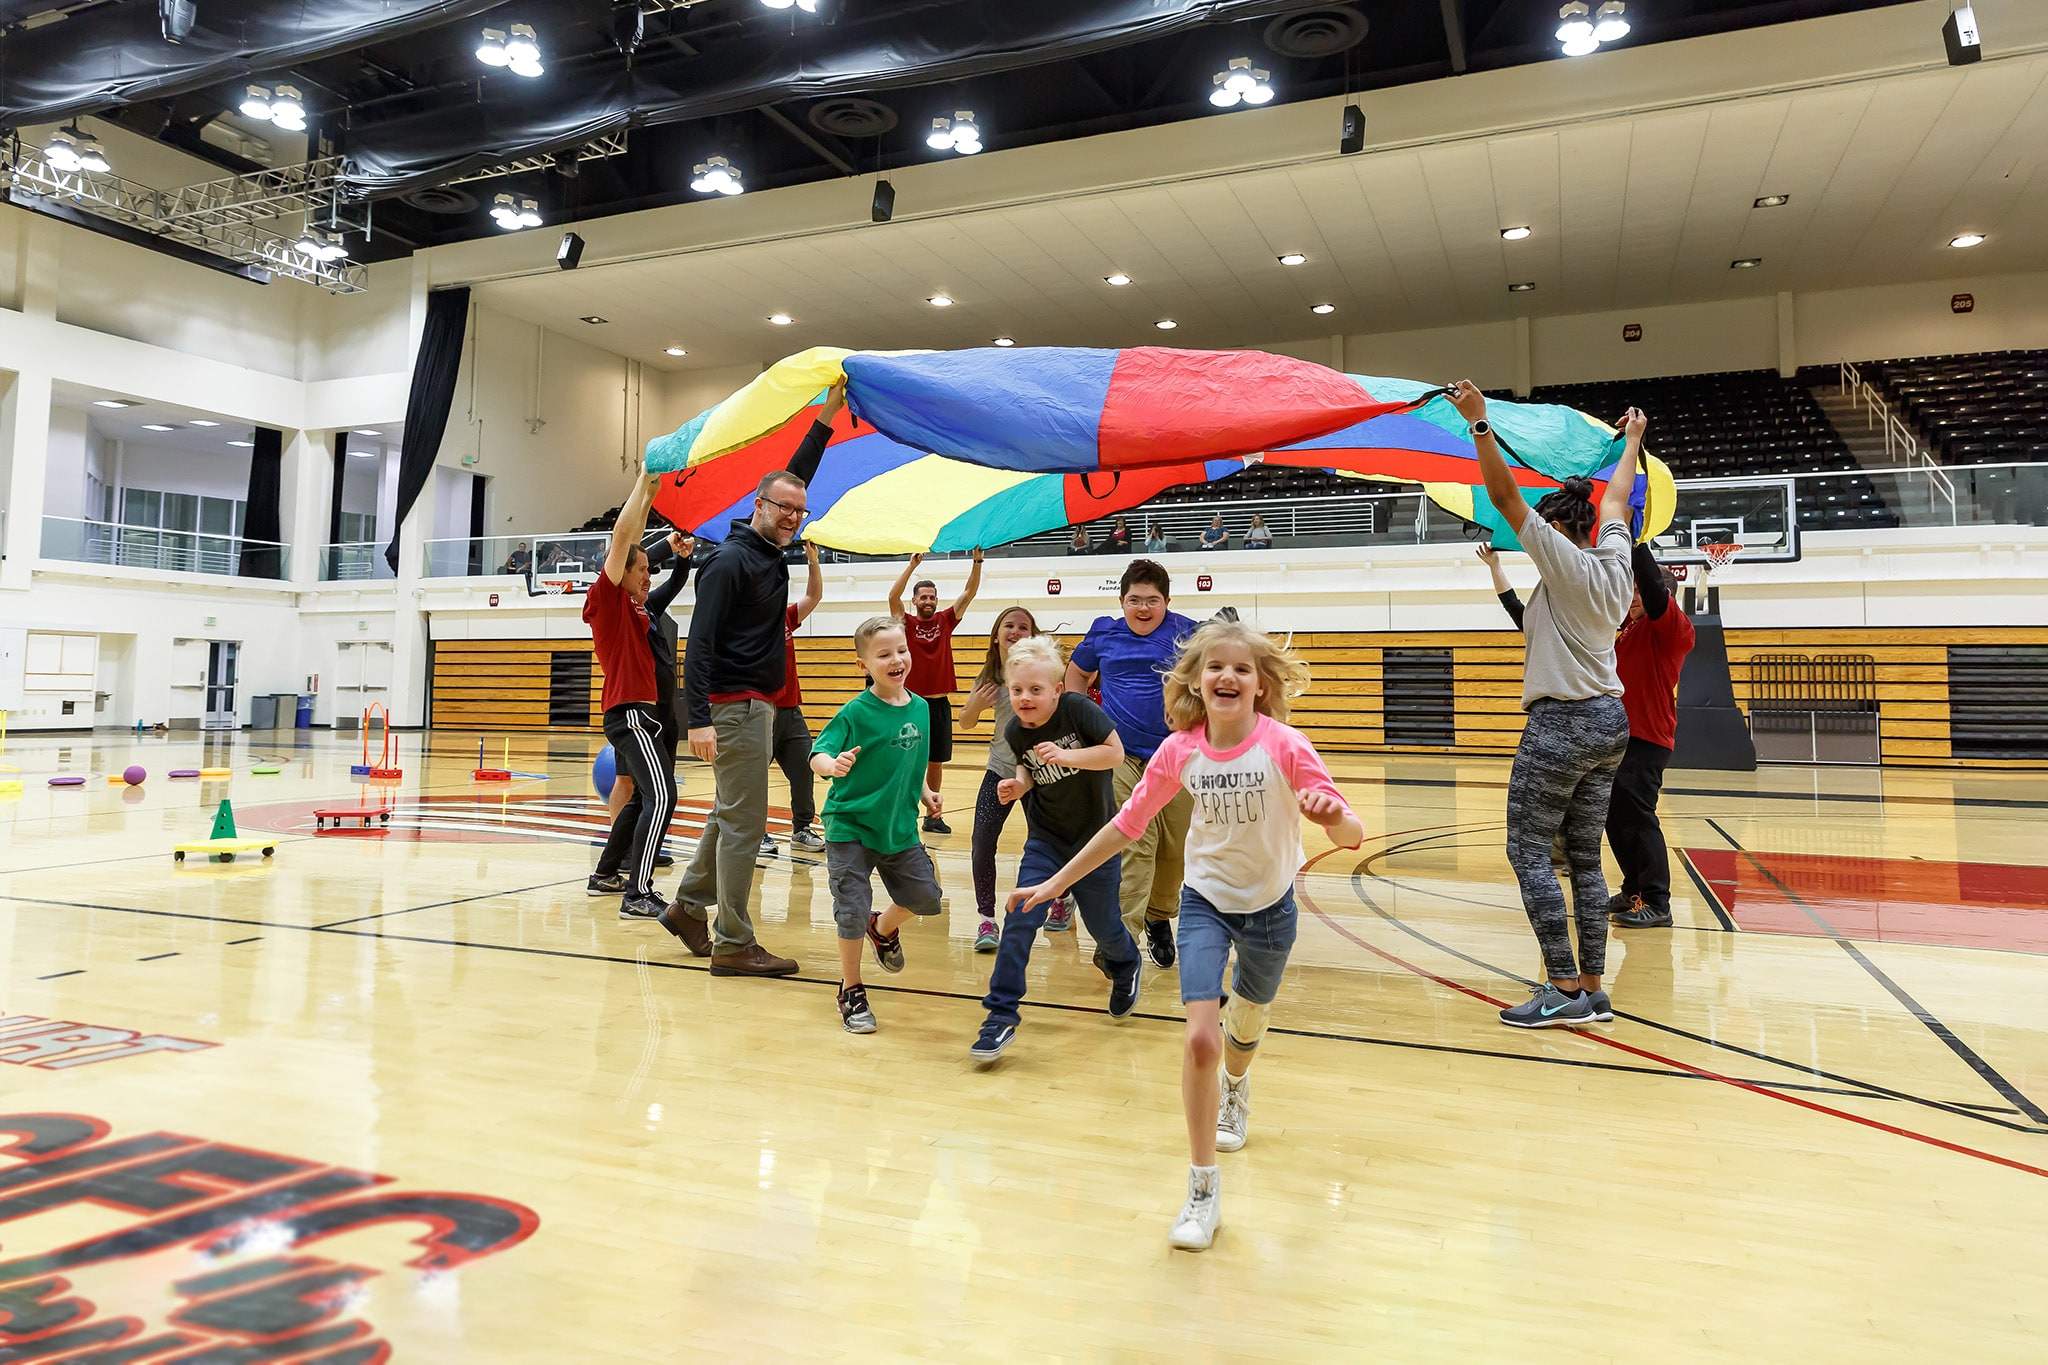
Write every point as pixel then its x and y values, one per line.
pixel 1199 1218
pixel 1602 1007
pixel 1233 1114
pixel 854 1013
pixel 642 907
pixel 1549 1007
pixel 769 848
pixel 613 884
pixel 808 839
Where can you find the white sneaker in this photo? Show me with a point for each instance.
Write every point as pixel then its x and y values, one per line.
pixel 1233 1114
pixel 769 849
pixel 1199 1218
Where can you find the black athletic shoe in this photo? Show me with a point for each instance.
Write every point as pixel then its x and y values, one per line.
pixel 614 885
pixel 1643 915
pixel 934 825
pixel 1617 903
pixel 663 860
pixel 648 906
pixel 854 1014
pixel 1123 988
pixel 1159 939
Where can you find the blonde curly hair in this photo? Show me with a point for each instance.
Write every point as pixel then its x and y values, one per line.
pixel 1283 676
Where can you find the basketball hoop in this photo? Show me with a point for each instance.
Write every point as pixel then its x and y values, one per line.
pixel 1719 552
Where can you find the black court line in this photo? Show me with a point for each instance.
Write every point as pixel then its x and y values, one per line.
pixel 159 957
pixel 75 971
pixel 1707 892
pixel 1969 1056
pixel 254 938
pixel 438 905
pixel 1848 1089
pixel 1978 1112
pixel 1861 798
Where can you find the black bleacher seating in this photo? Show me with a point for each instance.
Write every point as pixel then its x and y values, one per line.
pixel 1990 408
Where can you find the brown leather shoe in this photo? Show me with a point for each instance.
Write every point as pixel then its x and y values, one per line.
pixel 691 929
pixel 752 960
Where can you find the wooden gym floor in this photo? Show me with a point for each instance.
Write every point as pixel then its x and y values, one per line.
pixel 412 1089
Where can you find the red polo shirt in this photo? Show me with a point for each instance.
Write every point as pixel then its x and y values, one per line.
pixel 618 627
pixel 792 693
pixel 1648 656
pixel 931 652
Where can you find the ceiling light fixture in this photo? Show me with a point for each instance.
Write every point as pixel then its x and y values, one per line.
pixel 1166 324
pixel 1116 281
pixel 1522 288
pixel 1322 309
pixel 1294 258
pixel 1241 83
pixel 256 104
pixel 245 445
pixel 1965 241
pixel 1581 29
pixel 1516 234
pixel 676 351
pixel 716 175
pixel 1772 201
pixel 940 301
pixel 73 149
pixel 156 426
pixel 288 109
pixel 1005 341
pixel 204 422
pixel 1746 263
pixel 360 431
pixel 512 215
pixel 491 50
pixel 781 319
pixel 522 52
pixel 593 319
pixel 1610 22
pixel 959 133
pixel 321 244
pixel 364 454
pixel 807 6
pixel 115 403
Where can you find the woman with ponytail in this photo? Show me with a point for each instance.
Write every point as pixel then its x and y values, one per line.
pixel 1577 728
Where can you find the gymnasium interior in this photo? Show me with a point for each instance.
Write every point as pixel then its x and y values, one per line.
pixel 333 340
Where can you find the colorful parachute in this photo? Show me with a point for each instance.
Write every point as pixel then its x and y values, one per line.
pixel 1035 439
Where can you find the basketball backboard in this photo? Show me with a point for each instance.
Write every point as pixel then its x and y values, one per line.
pixel 1760 513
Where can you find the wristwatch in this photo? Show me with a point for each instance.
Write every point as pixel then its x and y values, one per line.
pixel 1482 427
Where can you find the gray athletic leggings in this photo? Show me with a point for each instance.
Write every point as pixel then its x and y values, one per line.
pixel 1563 775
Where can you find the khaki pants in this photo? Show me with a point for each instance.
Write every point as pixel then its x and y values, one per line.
pixel 1150 888
pixel 721 872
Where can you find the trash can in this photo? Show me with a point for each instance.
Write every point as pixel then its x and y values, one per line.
pixel 262 712
pixel 305 713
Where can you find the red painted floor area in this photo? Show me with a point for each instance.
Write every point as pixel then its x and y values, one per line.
pixel 1958 905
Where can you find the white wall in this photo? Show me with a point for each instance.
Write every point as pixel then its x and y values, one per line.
pixel 71 437
pixel 170 470
pixel 344 335
pixel 1888 321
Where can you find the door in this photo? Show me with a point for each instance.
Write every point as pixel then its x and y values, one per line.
pixel 220 685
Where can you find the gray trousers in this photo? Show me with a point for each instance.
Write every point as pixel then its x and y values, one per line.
pixel 721 872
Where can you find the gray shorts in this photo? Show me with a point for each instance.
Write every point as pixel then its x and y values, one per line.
pixel 908 877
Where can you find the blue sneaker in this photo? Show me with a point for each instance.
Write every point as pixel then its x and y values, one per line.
pixel 992 1041
pixel 1603 1008
pixel 1549 1007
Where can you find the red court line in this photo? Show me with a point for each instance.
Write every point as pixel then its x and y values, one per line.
pixel 1301 890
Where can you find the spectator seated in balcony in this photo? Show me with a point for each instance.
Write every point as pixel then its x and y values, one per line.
pixel 1119 538
pixel 1080 545
pixel 1214 537
pixel 519 561
pixel 1256 536
pixel 1157 542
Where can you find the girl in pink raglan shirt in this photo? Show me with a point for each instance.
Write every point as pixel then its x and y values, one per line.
pixel 1252 778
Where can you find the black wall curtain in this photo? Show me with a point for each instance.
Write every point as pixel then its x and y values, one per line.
pixel 340 476
pixel 426 406
pixel 262 521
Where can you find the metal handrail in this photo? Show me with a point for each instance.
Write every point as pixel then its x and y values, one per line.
pixel 1897 436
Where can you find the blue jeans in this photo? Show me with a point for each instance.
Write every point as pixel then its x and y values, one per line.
pixel 1264 939
pixel 1095 895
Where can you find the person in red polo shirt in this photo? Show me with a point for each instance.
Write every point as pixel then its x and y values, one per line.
pixel 790 737
pixel 930 633
pixel 1648 657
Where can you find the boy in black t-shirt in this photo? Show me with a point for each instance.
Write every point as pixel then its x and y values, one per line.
pixel 1066 748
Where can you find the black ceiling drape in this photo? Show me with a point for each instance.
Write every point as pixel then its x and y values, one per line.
pixel 426 406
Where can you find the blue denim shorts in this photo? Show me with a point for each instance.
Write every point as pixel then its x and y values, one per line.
pixel 1263 939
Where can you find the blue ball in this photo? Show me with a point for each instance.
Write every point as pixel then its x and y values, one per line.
pixel 604 772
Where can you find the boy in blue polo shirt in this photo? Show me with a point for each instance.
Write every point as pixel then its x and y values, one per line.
pixel 1127 657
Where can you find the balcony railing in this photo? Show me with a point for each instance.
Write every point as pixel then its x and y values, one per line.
pixel 353 560
pixel 154 548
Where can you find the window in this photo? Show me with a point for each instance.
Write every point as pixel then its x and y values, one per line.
pixel 179 531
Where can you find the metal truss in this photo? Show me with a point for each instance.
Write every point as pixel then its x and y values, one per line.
pixel 223 232
pixel 256 197
pixel 611 144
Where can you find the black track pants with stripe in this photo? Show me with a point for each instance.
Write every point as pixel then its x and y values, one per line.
pixel 646 750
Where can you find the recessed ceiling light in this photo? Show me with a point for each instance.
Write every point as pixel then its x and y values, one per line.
pixel 1323 308
pixel 1522 288
pixel 1294 258
pixel 1005 341
pixel 940 301
pixel 674 351
pixel 593 319
pixel 781 319
pixel 1118 280
pixel 204 422
pixel 1772 201
pixel 1746 263
pixel 1966 240
pixel 1166 324
pixel 156 426
pixel 244 444
pixel 113 403
pixel 1515 234
pixel 364 454
pixel 360 431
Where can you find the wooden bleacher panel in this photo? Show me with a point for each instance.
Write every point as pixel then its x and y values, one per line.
pixel 503 684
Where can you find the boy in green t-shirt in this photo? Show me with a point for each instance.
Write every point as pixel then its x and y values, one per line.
pixel 874 752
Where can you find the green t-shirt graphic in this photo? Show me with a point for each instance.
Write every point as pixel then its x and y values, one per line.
pixel 876 805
